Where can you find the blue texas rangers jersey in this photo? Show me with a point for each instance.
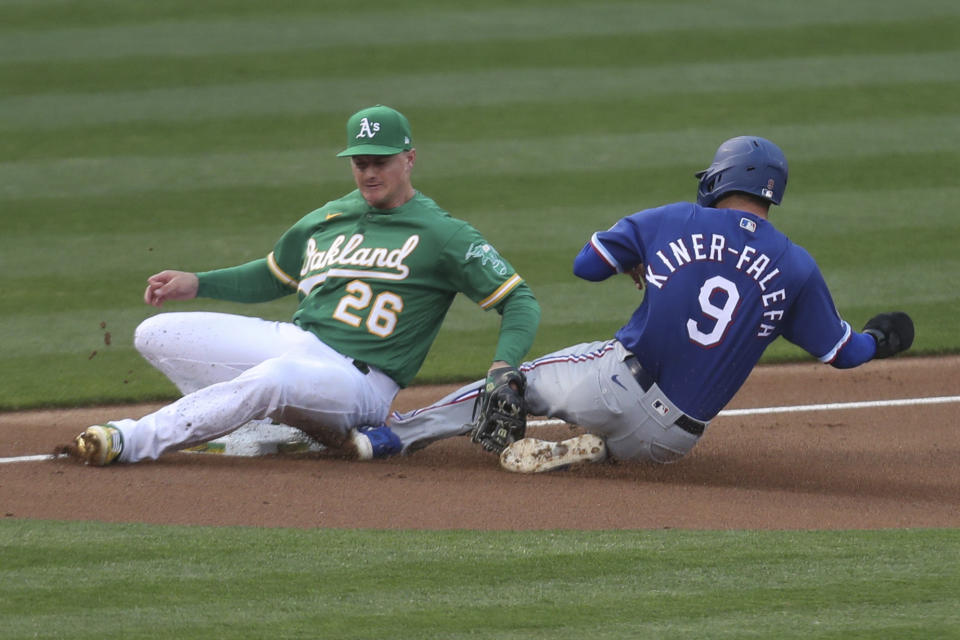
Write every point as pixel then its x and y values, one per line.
pixel 721 285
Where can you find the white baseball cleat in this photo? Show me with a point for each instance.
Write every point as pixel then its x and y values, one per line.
pixel 531 455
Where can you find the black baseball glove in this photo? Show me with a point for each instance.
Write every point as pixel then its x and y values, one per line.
pixel 500 413
pixel 893 332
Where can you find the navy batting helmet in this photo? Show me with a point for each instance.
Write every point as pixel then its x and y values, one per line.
pixel 746 164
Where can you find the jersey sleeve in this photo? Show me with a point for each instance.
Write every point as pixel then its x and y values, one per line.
pixel 620 248
pixel 518 327
pixel 250 282
pixel 286 259
pixel 814 323
pixel 590 264
pixel 859 349
pixel 476 269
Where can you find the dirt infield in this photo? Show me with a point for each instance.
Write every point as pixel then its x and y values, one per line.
pixel 836 469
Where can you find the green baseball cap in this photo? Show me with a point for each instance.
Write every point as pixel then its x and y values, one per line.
pixel 377 131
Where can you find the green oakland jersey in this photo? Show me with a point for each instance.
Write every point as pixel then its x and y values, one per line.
pixel 375 285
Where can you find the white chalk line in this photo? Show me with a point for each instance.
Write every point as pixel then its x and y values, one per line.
pixel 31 458
pixel 871 404
pixel 833 406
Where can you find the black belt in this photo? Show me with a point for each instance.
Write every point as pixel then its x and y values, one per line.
pixel 645 380
pixel 362 366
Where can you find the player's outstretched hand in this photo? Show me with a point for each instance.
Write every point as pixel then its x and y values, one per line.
pixel 892 331
pixel 170 285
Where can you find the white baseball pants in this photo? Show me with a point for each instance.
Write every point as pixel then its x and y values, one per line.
pixel 234 369
pixel 588 385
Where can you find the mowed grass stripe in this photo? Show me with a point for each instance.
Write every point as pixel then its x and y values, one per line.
pixel 540 249
pixel 848 141
pixel 922 275
pixel 432 23
pixel 540 50
pixel 204 209
pixel 75 328
pixel 58 255
pixel 487 88
pixel 818 216
pixel 567 210
pixel 912 190
pixel 51 14
pixel 637 113
pixel 909 269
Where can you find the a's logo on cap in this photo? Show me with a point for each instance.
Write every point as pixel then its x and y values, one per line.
pixel 368 129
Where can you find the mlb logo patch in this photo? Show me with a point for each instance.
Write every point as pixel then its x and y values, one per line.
pixel 748 224
pixel 660 408
pixel 768 192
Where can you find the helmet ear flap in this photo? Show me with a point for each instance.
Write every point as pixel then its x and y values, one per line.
pixel 708 184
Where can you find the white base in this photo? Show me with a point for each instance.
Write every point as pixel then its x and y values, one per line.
pixel 259 438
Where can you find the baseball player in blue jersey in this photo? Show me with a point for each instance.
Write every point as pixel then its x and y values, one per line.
pixel 721 283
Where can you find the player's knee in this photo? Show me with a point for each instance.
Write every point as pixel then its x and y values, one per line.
pixel 150 336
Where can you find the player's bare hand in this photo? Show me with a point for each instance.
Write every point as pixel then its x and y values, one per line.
pixel 637 274
pixel 500 364
pixel 170 285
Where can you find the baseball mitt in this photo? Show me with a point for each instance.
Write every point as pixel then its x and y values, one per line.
pixel 500 414
pixel 893 332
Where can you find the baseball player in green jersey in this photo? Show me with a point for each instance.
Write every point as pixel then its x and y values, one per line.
pixel 375 273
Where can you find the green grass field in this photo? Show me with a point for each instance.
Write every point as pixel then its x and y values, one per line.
pixel 91 580
pixel 137 136
pixel 140 136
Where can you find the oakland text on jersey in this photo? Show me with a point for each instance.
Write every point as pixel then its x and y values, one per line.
pixel 350 252
pixel 697 247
